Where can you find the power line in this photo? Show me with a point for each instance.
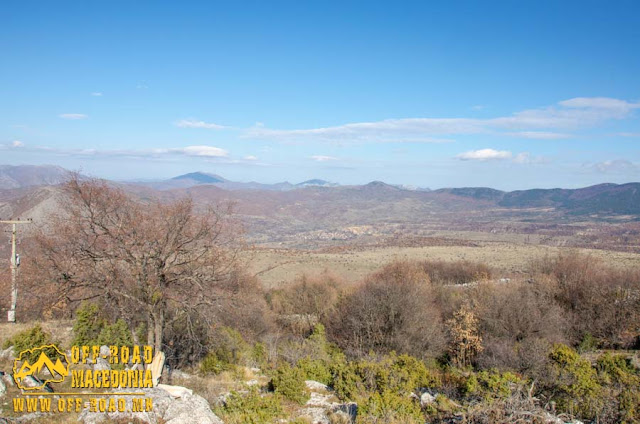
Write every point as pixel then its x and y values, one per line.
pixel 15 262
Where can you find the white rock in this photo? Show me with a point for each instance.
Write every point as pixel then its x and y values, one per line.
pixel 426 399
pixel 253 382
pixel 104 351
pixel 315 385
pixel 175 391
pixel 3 388
pixel 8 353
pixel 101 364
pixel 318 399
pixel 316 415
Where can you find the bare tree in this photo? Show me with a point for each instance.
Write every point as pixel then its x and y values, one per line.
pixel 141 259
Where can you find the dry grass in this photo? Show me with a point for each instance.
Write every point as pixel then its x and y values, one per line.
pixel 278 267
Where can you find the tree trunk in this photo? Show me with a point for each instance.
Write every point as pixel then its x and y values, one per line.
pixel 158 329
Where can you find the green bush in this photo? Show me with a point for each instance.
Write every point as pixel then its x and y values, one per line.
pixel 251 408
pixel 389 407
pixel 575 382
pixel 289 382
pixel 211 364
pixel 90 329
pixel 29 339
pixel 617 369
pixel 345 380
pixel 315 369
pixel 492 384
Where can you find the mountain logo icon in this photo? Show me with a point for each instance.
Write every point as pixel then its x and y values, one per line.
pixel 44 370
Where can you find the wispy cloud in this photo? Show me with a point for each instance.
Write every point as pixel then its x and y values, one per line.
pixel 615 166
pixel 485 154
pixel 250 157
pixel 73 116
pixel 628 134
pixel 203 151
pixel 96 94
pixel 539 135
pixel 549 122
pixel 321 158
pixel 17 143
pixel 193 123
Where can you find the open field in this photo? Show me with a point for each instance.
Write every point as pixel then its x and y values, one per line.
pixel 276 267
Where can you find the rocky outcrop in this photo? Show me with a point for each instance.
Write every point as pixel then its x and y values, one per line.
pixel 171 405
pixel 322 408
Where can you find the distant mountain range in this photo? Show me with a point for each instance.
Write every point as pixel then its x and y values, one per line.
pixel 33 187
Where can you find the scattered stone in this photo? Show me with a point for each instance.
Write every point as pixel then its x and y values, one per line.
pixel 8 353
pixel 3 388
pixel 101 364
pixel 426 399
pixel 315 385
pixel 253 382
pixel 105 352
pixel 7 378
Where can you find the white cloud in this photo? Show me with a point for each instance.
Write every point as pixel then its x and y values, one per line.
pixel 250 157
pixel 192 123
pixel 485 154
pixel 96 94
pixel 17 143
pixel 628 134
pixel 321 158
pixel 543 123
pixel 73 116
pixel 478 107
pixel 615 166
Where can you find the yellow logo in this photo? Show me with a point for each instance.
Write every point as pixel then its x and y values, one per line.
pixel 44 370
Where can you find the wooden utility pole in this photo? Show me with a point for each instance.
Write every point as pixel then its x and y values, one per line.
pixel 11 314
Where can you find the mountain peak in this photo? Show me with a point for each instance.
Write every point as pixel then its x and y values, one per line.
pixel 201 178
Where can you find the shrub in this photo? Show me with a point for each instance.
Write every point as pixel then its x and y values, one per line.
pixel 389 407
pixel 458 272
pixel 29 339
pixel 211 364
pixel 492 384
pixel 315 369
pixel 289 382
pixel 394 310
pixel 575 382
pixel 90 329
pixel 250 408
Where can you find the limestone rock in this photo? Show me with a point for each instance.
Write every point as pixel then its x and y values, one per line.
pixel 187 409
pixel 104 351
pixel 101 364
pixel 175 391
pixel 3 388
pixel 8 353
pixel 426 399
pixel 315 385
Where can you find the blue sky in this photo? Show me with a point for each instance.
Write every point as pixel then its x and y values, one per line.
pixel 507 94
